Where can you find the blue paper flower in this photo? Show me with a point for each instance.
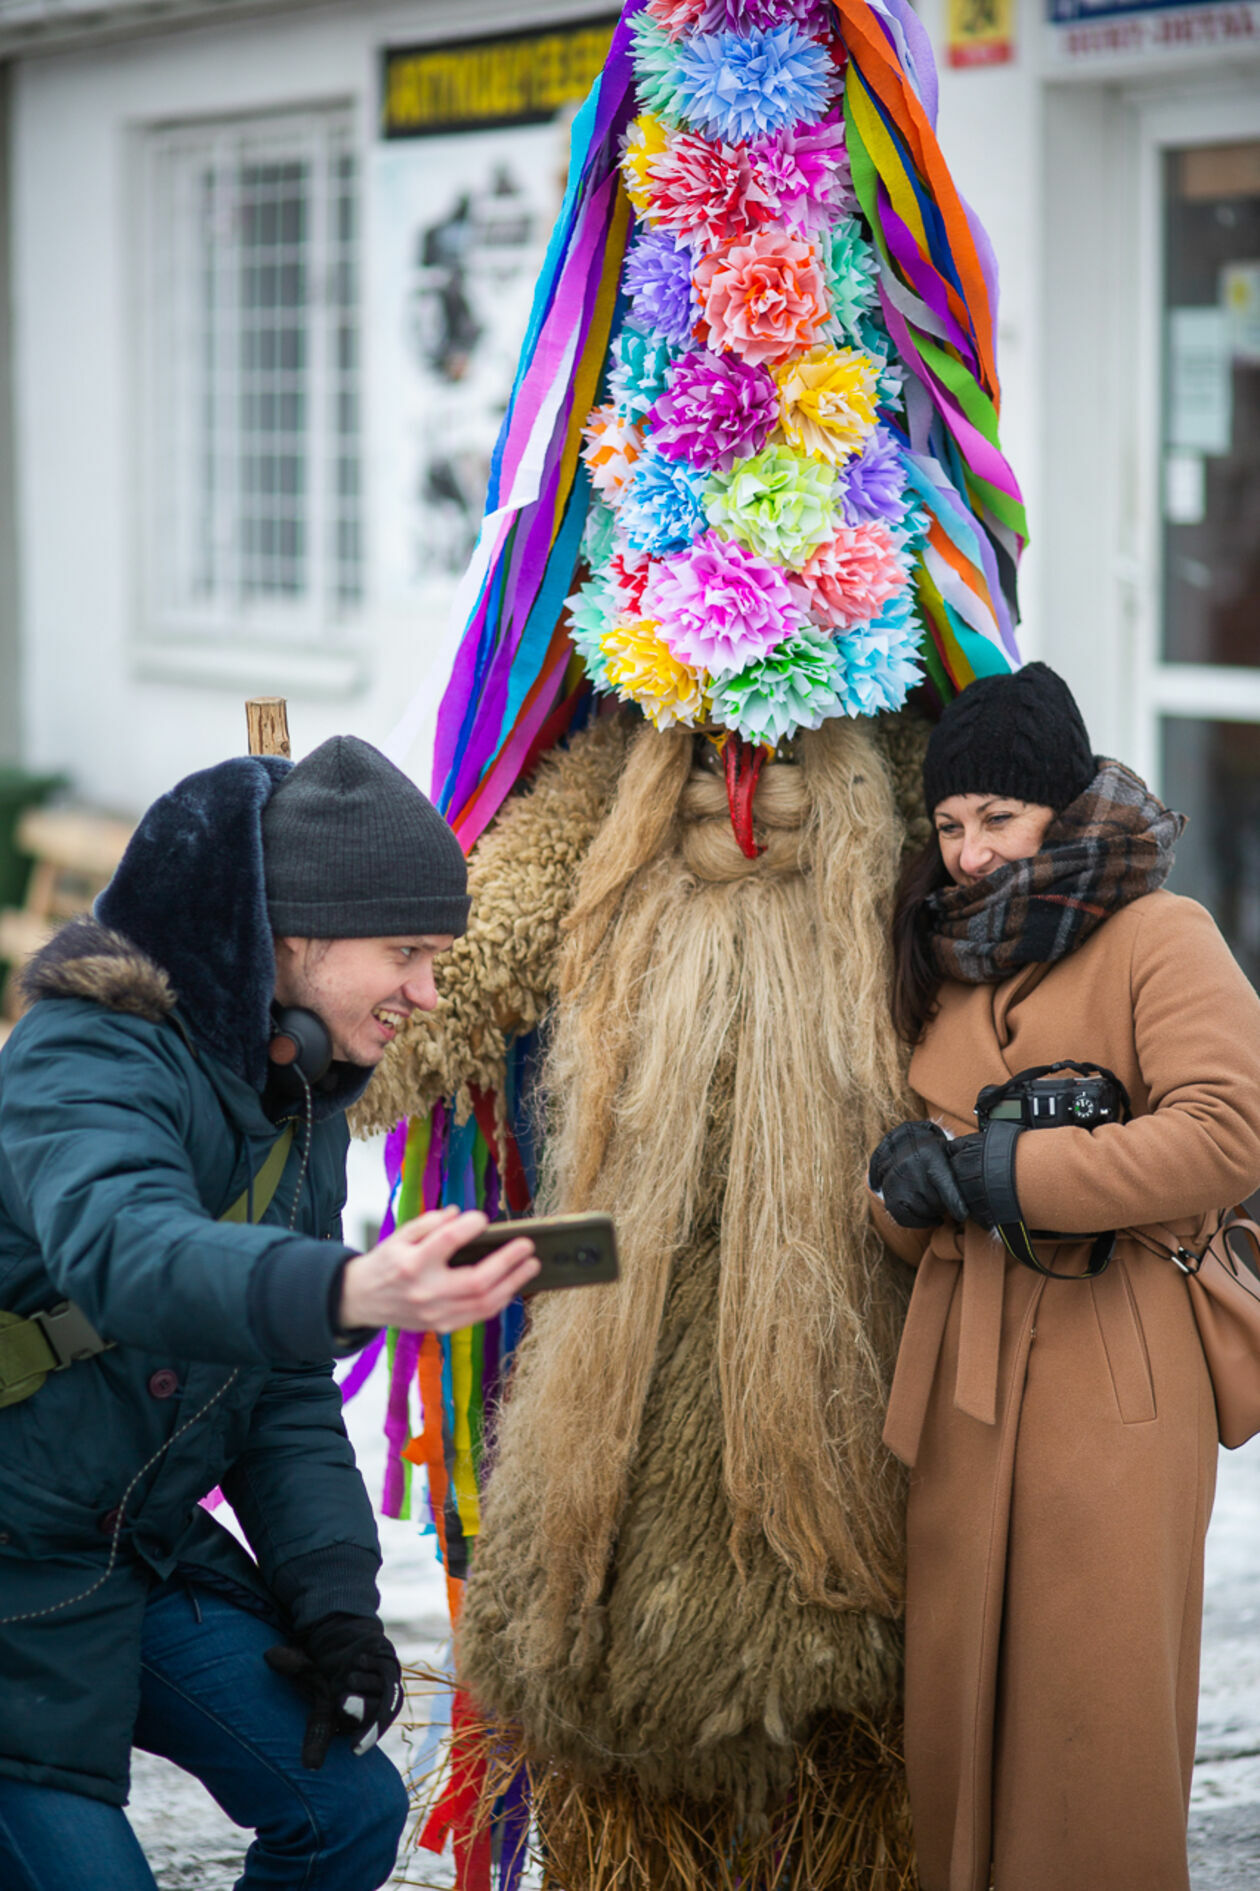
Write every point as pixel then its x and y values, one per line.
pixel 658 282
pixel 735 86
pixel 640 371
pixel 661 508
pixel 875 673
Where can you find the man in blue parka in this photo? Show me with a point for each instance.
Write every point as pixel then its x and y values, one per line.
pixel 173 1289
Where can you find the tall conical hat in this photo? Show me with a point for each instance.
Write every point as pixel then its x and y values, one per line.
pixel 749 475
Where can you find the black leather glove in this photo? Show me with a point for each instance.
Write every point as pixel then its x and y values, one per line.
pixel 966 1160
pixel 346 1668
pixel 911 1170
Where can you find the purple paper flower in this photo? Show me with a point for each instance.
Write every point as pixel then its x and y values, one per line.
pixel 658 282
pixel 716 409
pixel 720 607
pixel 873 486
pixel 814 17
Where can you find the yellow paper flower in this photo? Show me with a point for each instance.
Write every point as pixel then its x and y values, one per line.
pixel 645 139
pixel 827 402
pixel 642 668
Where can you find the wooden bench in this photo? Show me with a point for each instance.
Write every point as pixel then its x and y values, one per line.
pixel 75 853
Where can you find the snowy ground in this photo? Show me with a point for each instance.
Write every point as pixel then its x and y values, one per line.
pixel 193 1847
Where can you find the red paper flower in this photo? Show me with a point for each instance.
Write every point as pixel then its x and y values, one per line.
pixel 698 188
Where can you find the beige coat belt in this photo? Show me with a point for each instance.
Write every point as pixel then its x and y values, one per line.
pixel 983 1264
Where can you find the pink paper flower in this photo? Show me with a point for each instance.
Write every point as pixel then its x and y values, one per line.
pixel 851 575
pixel 676 16
pixel 716 409
pixel 800 177
pixel 763 298
pixel 719 607
pixel 696 187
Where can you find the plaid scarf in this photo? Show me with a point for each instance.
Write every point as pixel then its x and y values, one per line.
pixel 1111 845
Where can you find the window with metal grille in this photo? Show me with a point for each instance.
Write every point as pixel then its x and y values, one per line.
pixel 253 523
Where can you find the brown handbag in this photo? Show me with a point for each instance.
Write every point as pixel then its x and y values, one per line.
pixel 1225 1296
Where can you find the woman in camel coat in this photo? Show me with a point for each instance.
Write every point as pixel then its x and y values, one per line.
pixel 1061 1435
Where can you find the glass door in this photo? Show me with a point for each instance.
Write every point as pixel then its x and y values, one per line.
pixel 1202 661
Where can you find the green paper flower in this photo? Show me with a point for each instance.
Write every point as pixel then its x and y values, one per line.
pixel 655 58
pixel 598 534
pixel 851 272
pixel 778 503
pixel 592 612
pixel 796 687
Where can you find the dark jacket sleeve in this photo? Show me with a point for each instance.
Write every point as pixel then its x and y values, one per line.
pixel 1196 1024
pixel 96 1123
pixel 302 1503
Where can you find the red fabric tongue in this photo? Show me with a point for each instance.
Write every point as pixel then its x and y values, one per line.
pixel 742 761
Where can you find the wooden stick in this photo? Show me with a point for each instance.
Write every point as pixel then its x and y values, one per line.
pixel 267 719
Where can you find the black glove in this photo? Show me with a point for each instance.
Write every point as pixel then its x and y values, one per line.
pixel 346 1668
pixel 966 1161
pixel 911 1169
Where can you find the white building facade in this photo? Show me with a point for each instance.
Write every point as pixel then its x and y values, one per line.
pixel 265 289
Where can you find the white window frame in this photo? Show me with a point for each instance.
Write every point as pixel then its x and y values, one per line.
pixel 1201 115
pixel 233 636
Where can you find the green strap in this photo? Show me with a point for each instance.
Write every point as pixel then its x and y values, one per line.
pixel 26 1358
pixel 265 1183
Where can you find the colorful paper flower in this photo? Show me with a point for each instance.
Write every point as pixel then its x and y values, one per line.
pixel 852 276
pixel 814 17
pixel 738 86
pixel 613 444
pixel 658 283
pixel 662 505
pixel 849 576
pixel 873 484
pixel 763 298
pixel 800 177
pixel 628 574
pixel 716 409
pixel 644 669
pixel 645 139
pixel 778 503
pixel 639 372
pixel 656 68
pixel 698 189
pixel 828 402
pixel 597 533
pixel 796 687
pixel 593 610
pixel 719 607
pixel 677 16
pixel 876 675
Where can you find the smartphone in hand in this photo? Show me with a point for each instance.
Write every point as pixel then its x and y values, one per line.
pixel 573 1250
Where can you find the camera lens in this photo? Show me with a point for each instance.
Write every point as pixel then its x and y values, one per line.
pixel 587 1257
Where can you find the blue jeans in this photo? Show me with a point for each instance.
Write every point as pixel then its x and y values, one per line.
pixel 209 1702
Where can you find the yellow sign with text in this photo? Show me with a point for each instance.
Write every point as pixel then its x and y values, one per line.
pixel 514 79
pixel 981 32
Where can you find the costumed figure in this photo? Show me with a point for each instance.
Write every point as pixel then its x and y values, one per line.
pixel 757 404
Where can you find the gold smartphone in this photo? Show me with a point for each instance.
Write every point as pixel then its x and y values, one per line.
pixel 574 1250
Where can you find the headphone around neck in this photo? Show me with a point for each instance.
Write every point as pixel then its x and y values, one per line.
pixel 299 1042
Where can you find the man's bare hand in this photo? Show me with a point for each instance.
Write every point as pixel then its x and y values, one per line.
pixel 407 1280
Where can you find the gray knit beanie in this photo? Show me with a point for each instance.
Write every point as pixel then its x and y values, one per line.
pixel 353 850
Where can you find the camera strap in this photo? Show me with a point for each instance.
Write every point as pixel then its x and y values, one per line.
pixel 998 1176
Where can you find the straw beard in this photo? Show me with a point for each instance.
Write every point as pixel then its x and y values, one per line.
pixel 691 1549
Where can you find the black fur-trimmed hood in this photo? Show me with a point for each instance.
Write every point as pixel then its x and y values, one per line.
pixel 183 923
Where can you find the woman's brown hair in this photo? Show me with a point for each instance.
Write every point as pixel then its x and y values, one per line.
pixel 916 977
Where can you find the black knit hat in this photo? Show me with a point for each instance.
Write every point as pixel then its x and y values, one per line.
pixel 353 850
pixel 1019 735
